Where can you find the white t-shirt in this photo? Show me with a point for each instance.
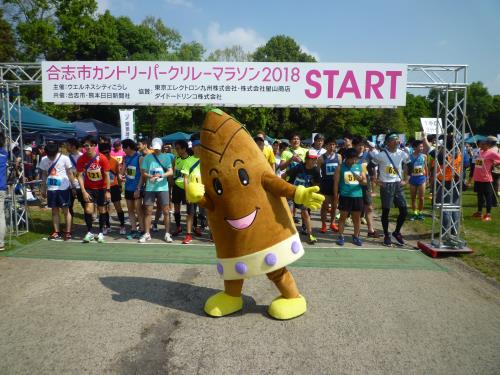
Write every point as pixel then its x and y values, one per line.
pixel 73 158
pixel 386 170
pixel 317 152
pixel 57 178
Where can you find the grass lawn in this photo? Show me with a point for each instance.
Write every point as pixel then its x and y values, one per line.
pixel 482 237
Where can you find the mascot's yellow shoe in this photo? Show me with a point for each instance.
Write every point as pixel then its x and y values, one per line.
pixel 222 304
pixel 287 308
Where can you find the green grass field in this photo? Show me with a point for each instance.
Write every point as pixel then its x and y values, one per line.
pixel 482 237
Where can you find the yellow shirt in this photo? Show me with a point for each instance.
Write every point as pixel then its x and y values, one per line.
pixel 269 154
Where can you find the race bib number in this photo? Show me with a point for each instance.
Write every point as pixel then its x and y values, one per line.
pixel 349 178
pixel 391 171
pixel 94 175
pixel 330 168
pixel 418 171
pixel 479 162
pixel 157 172
pixel 131 170
pixel 299 181
pixel 54 181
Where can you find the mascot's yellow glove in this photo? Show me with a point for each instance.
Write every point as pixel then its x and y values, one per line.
pixel 195 191
pixel 308 197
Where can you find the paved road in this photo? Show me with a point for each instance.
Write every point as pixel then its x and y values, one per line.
pixel 86 317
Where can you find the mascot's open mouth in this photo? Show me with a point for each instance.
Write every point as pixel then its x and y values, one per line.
pixel 243 222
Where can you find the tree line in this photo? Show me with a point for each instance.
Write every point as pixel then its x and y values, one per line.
pixel 74 30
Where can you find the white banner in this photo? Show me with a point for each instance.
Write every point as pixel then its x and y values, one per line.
pixel 127 123
pixel 429 125
pixel 224 83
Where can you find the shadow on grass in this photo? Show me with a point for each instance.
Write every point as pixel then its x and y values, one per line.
pixel 172 294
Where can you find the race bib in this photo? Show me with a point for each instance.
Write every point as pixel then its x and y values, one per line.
pixel 299 181
pixel 330 168
pixel 54 181
pixel 418 171
pixel 157 172
pixel 349 178
pixel 131 170
pixel 479 162
pixel 118 159
pixel 391 171
pixel 94 175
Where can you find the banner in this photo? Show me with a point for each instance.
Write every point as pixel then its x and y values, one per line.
pixel 429 126
pixel 127 123
pixel 183 83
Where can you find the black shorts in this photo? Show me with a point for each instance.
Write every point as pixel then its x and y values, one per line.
pixel 97 196
pixel 350 204
pixel 116 193
pixel 129 195
pixel 79 198
pixel 59 198
pixel 178 195
pixel 326 188
pixel 392 192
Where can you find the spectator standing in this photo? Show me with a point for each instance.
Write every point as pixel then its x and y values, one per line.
pixel 317 146
pixel 4 157
pixel 328 163
pixel 418 177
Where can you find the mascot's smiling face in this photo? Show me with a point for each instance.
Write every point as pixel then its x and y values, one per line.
pixel 245 217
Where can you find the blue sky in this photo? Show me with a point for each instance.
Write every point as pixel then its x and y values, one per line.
pixel 391 31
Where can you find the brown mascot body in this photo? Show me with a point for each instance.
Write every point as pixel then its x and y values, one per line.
pixel 248 215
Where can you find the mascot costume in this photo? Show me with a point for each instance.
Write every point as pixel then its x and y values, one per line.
pixel 249 217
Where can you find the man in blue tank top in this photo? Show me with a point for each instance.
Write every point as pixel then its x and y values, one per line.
pixel 133 187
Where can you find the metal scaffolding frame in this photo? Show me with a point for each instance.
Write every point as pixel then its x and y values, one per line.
pixel 449 80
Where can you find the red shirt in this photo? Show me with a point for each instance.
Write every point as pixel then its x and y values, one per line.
pixel 93 175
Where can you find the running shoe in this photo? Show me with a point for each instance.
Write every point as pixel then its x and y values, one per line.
pixel 374 234
pixel 88 237
pixel 348 222
pixel 303 229
pixel 387 241
pixel 413 217
pixel 323 228
pixel 187 239
pixel 177 231
pixel 398 237
pixel 197 232
pixel 363 221
pixel 477 214
pixel 312 239
pixel 420 217
pixel 340 241
pixel 67 236
pixel 55 236
pixel 123 230
pixel 100 238
pixel 357 241
pixel 334 227
pixel 144 238
pixel 168 238
pixel 486 217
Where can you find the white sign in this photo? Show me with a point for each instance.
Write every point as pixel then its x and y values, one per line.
pixel 224 83
pixel 127 123
pixel 429 125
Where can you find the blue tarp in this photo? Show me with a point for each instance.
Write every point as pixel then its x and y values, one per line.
pixel 33 121
pixel 84 128
pixel 103 128
pixel 177 136
pixel 475 138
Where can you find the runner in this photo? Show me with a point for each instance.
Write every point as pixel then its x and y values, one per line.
pixel 306 174
pixel 328 163
pixel 4 158
pixel 348 179
pixel 317 146
pixel 117 152
pixel 390 162
pixel 72 145
pixel 115 188
pixel 483 179
pixel 93 176
pixel 133 188
pixel 194 174
pixel 156 168
pixel 57 179
pixel 419 172
pixel 183 162
pixel 364 159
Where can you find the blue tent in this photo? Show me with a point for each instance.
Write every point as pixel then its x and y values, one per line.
pixel 475 139
pixel 84 128
pixel 33 121
pixel 102 128
pixel 177 136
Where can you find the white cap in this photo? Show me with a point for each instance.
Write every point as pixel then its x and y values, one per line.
pixel 156 144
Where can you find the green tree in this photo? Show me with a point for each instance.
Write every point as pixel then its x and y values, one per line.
pixel 281 48
pixel 234 53
pixel 493 122
pixel 7 41
pixel 417 106
pixel 479 106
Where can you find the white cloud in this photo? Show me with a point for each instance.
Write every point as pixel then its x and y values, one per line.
pixel 182 3
pixel 309 52
pixel 103 5
pixel 214 38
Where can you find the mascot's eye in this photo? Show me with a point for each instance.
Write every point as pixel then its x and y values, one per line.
pixel 243 175
pixel 217 186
